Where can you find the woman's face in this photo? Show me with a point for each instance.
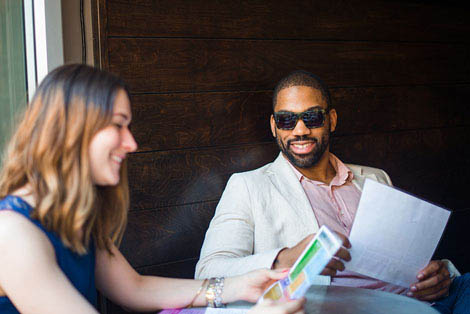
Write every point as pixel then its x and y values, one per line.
pixel 108 147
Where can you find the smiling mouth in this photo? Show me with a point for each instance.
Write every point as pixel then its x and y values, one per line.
pixel 302 148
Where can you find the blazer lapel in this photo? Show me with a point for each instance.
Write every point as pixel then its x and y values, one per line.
pixel 359 177
pixel 286 182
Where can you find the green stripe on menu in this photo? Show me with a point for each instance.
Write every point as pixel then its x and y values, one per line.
pixel 305 259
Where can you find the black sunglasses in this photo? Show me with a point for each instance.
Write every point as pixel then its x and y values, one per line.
pixel 312 118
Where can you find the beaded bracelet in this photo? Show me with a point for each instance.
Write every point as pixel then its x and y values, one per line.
pixel 214 292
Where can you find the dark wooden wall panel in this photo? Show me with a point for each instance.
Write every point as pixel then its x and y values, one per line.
pixel 201 74
pixel 189 176
pixel 398 108
pixel 166 234
pixel 191 120
pixel 332 19
pixel 183 120
pixel 165 65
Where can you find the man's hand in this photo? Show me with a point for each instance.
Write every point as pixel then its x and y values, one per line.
pixel 336 263
pixel 433 282
pixel 287 257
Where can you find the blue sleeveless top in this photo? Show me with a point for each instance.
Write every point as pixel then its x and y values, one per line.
pixel 79 269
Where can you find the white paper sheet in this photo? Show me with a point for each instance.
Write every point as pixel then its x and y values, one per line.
pixel 394 234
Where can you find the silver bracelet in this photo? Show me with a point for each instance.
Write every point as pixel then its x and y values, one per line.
pixel 214 292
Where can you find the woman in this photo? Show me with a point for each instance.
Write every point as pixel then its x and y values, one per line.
pixel 63 206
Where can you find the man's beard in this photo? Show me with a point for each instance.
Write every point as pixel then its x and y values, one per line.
pixel 307 160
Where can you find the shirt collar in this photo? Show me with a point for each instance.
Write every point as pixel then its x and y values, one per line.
pixel 343 174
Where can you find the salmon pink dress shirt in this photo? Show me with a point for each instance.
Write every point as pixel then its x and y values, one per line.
pixel 335 206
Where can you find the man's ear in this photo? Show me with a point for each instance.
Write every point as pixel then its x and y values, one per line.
pixel 333 119
pixel 273 126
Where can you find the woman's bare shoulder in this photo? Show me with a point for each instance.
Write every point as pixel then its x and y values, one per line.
pixel 16 231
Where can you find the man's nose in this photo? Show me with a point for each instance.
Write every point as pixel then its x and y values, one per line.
pixel 300 129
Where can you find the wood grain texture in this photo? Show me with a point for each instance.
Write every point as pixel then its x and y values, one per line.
pixel 400 108
pixel 190 120
pixel 167 234
pixel 327 20
pixel 166 65
pixel 185 120
pixel 433 164
pixel 190 176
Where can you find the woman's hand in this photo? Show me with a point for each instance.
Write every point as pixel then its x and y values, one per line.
pixel 279 307
pixel 250 286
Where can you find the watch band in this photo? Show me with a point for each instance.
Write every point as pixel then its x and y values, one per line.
pixel 214 292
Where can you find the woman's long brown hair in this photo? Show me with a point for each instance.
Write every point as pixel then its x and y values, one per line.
pixel 49 154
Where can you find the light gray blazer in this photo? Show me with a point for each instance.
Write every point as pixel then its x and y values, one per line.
pixel 261 212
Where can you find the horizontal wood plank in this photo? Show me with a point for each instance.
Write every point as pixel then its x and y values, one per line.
pixel 166 234
pixel 400 108
pixel 333 19
pixel 189 120
pixel 412 158
pixel 189 176
pixel 433 164
pixel 175 121
pixel 166 65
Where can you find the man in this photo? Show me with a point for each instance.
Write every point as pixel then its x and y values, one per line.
pixel 266 216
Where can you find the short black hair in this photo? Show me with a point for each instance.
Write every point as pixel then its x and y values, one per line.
pixel 302 78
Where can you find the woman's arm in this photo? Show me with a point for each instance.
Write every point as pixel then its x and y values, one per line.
pixel 29 274
pixel 117 280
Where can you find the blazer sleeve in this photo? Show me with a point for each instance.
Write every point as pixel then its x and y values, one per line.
pixel 228 246
pixel 386 178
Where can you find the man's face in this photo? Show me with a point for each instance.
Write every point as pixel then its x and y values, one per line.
pixel 303 147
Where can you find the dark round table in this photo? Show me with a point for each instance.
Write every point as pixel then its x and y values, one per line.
pixel 346 300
